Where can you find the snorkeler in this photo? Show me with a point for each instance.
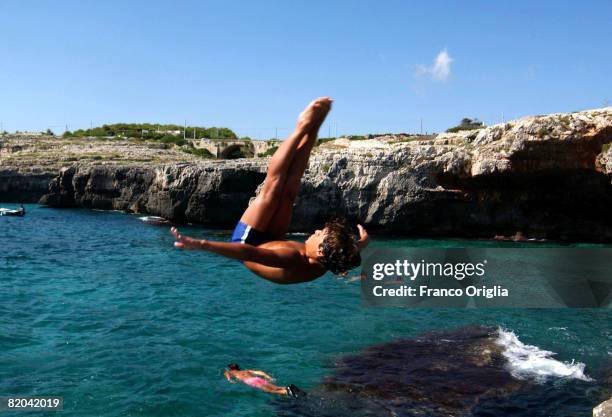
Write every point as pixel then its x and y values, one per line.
pixel 258 238
pixel 259 380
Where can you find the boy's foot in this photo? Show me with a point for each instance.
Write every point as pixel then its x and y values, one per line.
pixel 315 113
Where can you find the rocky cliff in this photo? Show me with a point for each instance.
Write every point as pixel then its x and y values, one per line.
pixel 213 193
pixel 24 186
pixel 545 177
pixel 540 177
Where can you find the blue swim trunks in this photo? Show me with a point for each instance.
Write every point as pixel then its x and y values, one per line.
pixel 243 233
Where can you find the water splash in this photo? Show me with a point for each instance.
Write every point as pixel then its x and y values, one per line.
pixel 531 362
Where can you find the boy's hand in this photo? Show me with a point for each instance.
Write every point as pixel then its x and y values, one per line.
pixel 228 376
pixel 186 242
pixel 364 238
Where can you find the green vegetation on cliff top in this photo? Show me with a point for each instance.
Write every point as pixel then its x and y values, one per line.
pixel 154 131
pixel 466 124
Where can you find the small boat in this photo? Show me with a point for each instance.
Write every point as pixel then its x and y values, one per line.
pixel 156 220
pixel 11 212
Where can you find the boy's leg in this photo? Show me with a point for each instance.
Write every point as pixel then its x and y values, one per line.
pixel 259 214
pixel 274 389
pixel 282 217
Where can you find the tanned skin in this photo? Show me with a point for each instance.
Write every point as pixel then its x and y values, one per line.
pixel 280 261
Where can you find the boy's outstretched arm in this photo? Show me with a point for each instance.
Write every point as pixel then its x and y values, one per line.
pixel 228 376
pixel 278 258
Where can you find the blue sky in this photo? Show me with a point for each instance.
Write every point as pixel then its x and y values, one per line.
pixel 252 66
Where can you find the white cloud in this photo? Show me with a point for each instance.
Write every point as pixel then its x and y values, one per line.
pixel 442 66
pixel 440 70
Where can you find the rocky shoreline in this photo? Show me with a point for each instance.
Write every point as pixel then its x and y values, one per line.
pixel 540 177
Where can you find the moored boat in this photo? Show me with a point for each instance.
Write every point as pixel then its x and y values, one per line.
pixel 10 212
pixel 156 220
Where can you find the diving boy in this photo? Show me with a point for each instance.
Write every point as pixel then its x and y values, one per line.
pixel 258 240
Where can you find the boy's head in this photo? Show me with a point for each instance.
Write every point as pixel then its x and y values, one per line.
pixel 335 247
pixel 233 367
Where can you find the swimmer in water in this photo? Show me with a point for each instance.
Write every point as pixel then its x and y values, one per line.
pixel 258 239
pixel 259 380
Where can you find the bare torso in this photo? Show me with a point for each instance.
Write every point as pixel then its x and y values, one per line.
pixel 303 271
pixel 241 375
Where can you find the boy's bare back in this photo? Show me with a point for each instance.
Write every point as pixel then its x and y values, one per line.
pixel 303 270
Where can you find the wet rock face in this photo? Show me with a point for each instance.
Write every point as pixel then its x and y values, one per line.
pixel 544 177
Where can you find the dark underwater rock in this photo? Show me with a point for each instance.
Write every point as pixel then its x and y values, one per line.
pixel 440 373
pixel 461 372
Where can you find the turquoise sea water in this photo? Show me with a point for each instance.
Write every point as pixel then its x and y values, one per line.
pixel 101 309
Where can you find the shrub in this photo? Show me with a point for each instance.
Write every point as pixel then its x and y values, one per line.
pixel 202 153
pixel 543 131
pixel 323 140
pixel 565 122
pixel 177 140
pixel 466 124
pixel 268 152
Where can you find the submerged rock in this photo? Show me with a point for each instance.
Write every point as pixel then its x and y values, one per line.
pixel 462 372
pixel 444 373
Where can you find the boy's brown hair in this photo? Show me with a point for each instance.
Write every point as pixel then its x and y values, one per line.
pixel 340 250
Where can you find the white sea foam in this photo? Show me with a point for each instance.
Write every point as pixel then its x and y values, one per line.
pixel 531 362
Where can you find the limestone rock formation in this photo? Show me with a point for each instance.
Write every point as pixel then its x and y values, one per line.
pixel 541 177
pixel 211 193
